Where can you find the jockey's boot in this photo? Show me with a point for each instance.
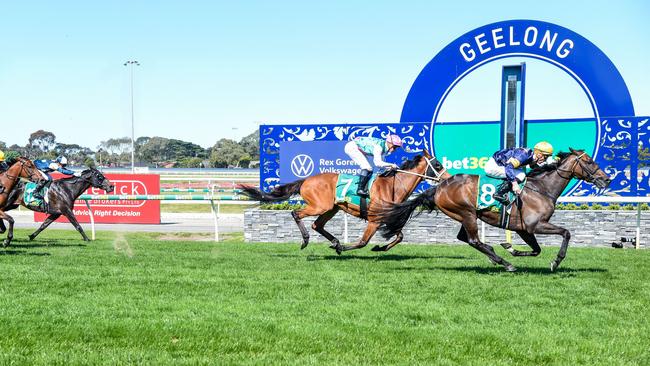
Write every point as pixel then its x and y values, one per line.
pixel 364 177
pixel 501 194
pixel 38 191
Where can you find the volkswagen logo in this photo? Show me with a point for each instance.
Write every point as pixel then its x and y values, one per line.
pixel 302 166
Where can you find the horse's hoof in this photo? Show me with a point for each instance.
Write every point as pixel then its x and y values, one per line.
pixel 554 266
pixel 335 244
pixel 377 248
pixel 6 243
pixel 86 239
pixel 31 237
pixel 510 268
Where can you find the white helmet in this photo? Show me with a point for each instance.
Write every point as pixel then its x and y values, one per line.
pixel 62 160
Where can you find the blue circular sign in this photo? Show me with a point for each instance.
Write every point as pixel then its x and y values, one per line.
pixel 559 46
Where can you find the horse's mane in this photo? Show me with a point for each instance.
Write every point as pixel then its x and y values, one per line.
pixel 550 167
pixel 410 164
pixel 74 177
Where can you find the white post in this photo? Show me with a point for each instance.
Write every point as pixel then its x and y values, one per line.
pixel 345 228
pixel 482 232
pixel 638 225
pixel 92 220
pixel 215 215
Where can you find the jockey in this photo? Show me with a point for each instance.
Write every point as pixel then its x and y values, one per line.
pixel 509 163
pixel 47 166
pixel 3 164
pixel 361 147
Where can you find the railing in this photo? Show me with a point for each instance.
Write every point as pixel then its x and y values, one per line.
pixel 161 197
pixel 215 211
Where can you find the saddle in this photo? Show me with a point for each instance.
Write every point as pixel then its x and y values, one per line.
pixel 30 198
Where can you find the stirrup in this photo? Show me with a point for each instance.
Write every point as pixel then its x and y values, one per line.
pixel 502 199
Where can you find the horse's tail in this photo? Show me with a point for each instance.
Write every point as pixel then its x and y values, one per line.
pixel 394 218
pixel 279 193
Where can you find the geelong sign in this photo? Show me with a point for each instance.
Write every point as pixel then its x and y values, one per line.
pixel 559 46
pixel 117 212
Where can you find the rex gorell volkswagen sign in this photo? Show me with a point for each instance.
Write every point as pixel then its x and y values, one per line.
pixel 302 159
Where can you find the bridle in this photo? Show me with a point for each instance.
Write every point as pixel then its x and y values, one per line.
pixel 425 176
pixel 23 166
pixel 578 161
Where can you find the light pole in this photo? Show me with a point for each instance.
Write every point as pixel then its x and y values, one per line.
pixel 130 64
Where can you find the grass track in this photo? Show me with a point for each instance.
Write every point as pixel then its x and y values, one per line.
pixel 130 298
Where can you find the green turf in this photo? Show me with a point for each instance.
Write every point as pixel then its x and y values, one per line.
pixel 133 299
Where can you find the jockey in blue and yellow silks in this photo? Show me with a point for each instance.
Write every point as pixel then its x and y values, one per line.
pixel 361 147
pixel 509 164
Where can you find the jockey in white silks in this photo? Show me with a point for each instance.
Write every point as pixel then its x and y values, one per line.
pixel 361 147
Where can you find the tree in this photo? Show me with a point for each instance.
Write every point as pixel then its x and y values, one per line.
pixel 76 154
pixel 226 153
pixel 251 144
pixel 3 146
pixel 42 140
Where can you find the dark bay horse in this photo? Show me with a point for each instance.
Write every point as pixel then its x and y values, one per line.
pixel 456 197
pixel 62 195
pixel 21 168
pixel 318 191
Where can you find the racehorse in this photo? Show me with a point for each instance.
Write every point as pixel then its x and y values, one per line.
pixel 62 195
pixel 21 168
pixel 318 192
pixel 457 198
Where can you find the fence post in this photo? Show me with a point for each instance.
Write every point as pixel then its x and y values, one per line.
pixel 345 228
pixel 92 219
pixel 638 225
pixel 482 231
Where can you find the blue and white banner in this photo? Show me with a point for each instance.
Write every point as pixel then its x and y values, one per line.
pixel 302 159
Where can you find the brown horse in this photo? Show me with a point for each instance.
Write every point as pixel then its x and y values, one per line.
pixel 456 197
pixel 318 192
pixel 21 168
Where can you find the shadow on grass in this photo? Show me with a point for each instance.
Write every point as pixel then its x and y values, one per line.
pixel 22 252
pixel 378 258
pixel 499 269
pixel 44 243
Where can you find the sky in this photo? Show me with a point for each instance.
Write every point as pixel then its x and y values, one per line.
pixel 218 69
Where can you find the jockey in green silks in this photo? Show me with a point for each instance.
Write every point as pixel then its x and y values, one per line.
pixel 359 148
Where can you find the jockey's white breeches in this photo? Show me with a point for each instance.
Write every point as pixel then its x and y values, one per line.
pixel 495 170
pixel 357 156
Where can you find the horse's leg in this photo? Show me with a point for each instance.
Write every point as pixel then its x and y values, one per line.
pixel 73 220
pixel 50 219
pixel 3 228
pixel 10 232
pixel 371 229
pixel 298 215
pixel 469 231
pixel 319 226
pixel 530 239
pixel 384 248
pixel 548 228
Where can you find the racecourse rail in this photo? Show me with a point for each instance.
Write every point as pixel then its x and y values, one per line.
pixel 162 197
pixel 218 199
